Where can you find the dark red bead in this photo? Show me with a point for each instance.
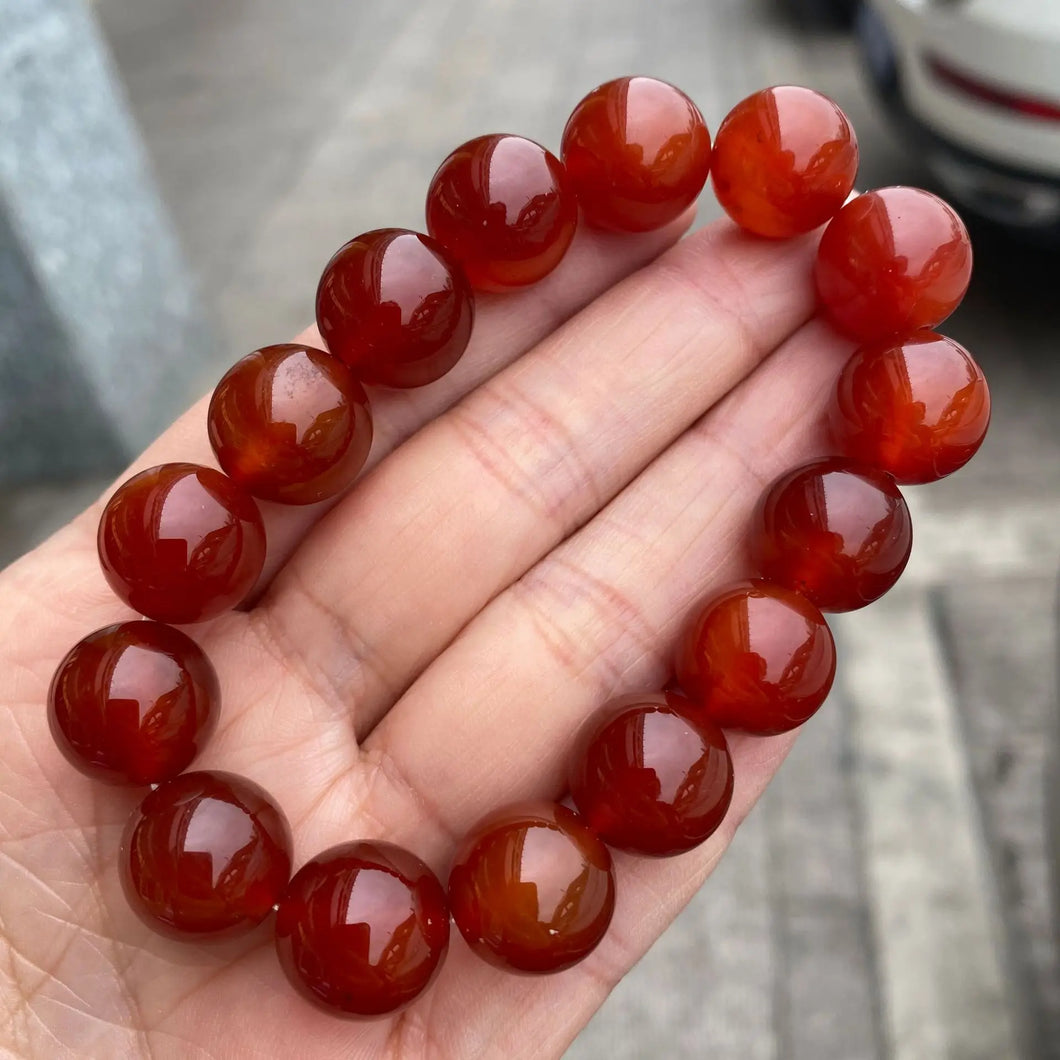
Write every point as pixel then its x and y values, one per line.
pixel 504 208
pixel 362 929
pixel 637 152
pixel 290 424
pixel 757 657
pixel 785 160
pixel 650 776
pixel 837 532
pixel 892 261
pixel 532 888
pixel 205 855
pixel 133 703
pixel 917 408
pixel 181 543
pixel 396 307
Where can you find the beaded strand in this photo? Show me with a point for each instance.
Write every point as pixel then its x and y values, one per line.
pixel 649 772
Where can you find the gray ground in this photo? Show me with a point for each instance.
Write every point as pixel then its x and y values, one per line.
pixel 890 897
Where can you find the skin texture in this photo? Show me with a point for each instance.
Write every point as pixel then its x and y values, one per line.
pixel 427 650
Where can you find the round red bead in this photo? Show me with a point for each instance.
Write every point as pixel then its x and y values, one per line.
pixel 650 776
pixel 362 929
pixel 181 543
pixel 637 152
pixel 504 208
pixel 757 657
pixel 918 408
pixel 532 888
pixel 839 533
pixel 892 261
pixel 396 307
pixel 785 160
pixel 290 424
pixel 133 703
pixel 205 855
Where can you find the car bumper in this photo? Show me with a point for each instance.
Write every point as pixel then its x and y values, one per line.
pixel 1020 199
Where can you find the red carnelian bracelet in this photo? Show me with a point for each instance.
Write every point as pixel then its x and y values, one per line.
pixel 362 928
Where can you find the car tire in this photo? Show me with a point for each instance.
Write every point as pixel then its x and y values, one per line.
pixel 830 14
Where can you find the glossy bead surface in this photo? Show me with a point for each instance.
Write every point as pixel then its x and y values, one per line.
pixel 892 261
pixel 757 657
pixel 532 888
pixel 637 152
pixel 362 929
pixel 290 424
pixel 837 532
pixel 504 207
pixel 181 543
pixel 650 776
pixel 396 307
pixel 205 855
pixel 918 408
pixel 133 703
pixel 785 160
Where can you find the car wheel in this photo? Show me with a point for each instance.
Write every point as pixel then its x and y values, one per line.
pixel 833 14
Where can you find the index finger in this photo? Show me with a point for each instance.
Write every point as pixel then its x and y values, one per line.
pixel 506 326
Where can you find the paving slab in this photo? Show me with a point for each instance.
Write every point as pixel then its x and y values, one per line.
pixel 1001 635
pixel 935 913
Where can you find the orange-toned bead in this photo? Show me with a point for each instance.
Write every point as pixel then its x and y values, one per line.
pixel 637 152
pixel 205 855
pixel 362 929
pixel 918 408
pixel 785 160
pixel 651 775
pixel 892 261
pixel 835 531
pixel 504 208
pixel 181 543
pixel 290 424
pixel 133 703
pixel 396 307
pixel 757 657
pixel 532 888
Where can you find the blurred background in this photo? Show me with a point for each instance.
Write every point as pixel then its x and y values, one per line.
pixel 175 173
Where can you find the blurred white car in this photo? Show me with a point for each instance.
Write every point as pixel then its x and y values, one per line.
pixel 976 83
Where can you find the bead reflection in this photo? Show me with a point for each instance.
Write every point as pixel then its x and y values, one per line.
pixel 217 836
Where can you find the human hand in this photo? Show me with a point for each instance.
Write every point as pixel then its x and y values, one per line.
pixel 533 530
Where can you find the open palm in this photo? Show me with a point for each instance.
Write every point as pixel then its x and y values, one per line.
pixel 530 535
